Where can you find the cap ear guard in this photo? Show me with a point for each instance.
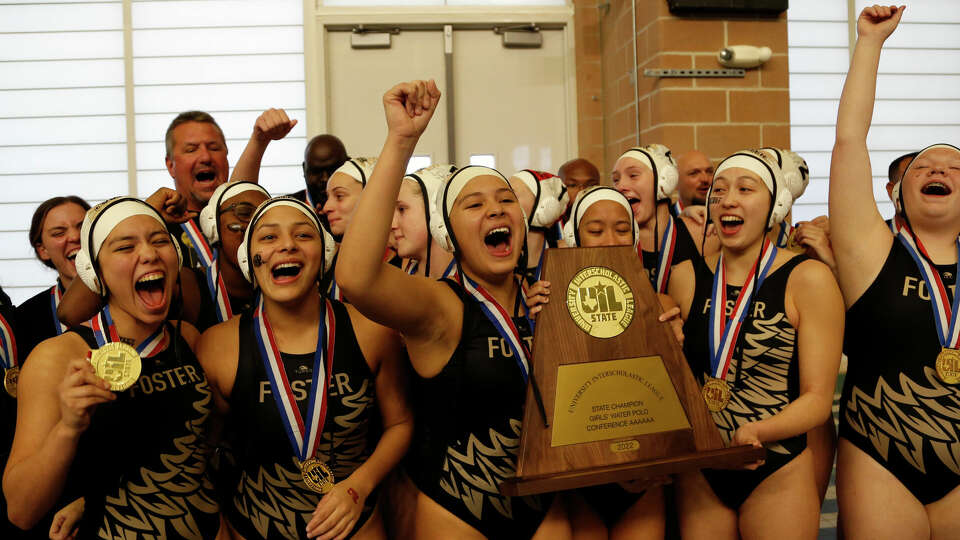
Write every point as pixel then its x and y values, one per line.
pixel 796 173
pixel 668 174
pixel 552 202
pixel 87 270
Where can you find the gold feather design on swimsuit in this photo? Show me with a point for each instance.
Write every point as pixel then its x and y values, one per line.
pixel 275 497
pixel 767 353
pixel 916 416
pixel 474 473
pixel 145 507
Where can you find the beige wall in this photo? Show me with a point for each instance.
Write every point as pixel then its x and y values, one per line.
pixel 716 116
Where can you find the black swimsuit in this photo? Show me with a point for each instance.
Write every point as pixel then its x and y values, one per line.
pixel 469 418
pixel 894 407
pixel 271 499
pixel 141 464
pixel 686 250
pixel 36 322
pixel 763 376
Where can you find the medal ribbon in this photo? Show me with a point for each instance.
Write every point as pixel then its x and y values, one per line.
pixel 723 330
pixel 668 245
pixel 451 269
pixel 412 266
pixel 304 436
pixel 502 322
pixel 200 245
pixel 106 332
pixel 56 294
pixel 783 239
pixel 8 345
pixel 943 310
pixel 218 291
pixel 309 198
pixel 678 208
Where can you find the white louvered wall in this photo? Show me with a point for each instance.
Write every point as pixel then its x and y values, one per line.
pixel 62 116
pixel 918 88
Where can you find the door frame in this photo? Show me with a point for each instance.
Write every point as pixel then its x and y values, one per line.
pixel 319 21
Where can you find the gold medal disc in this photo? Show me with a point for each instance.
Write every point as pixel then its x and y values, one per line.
pixel 316 475
pixel 10 377
pixel 948 365
pixel 717 394
pixel 792 243
pixel 118 364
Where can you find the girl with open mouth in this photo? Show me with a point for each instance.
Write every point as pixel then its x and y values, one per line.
pixel 314 392
pixel 55 238
pixel 467 338
pixel 136 455
pixel 766 350
pixel 897 471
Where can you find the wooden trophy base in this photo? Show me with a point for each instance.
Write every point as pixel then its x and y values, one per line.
pixel 726 458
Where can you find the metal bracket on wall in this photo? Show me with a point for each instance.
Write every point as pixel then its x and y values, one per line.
pixel 694 73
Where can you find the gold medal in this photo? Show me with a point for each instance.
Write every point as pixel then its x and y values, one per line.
pixel 792 243
pixel 118 364
pixel 10 377
pixel 948 365
pixel 316 475
pixel 716 393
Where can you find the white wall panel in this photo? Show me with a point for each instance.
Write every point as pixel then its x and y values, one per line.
pixel 207 13
pixel 60 103
pixel 83 129
pixel 63 74
pixel 45 46
pixel 57 17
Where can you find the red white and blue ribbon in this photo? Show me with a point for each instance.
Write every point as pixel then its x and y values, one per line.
pixel 668 246
pixel 783 238
pixel 8 345
pixel 218 291
pixel 895 225
pixel 502 322
pixel 678 208
pixel 948 331
pixel 304 433
pixel 412 266
pixel 56 294
pixel 725 330
pixel 104 331
pixel 200 245
pixel 451 269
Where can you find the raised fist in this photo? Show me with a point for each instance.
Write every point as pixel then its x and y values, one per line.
pixel 879 21
pixel 272 125
pixel 409 107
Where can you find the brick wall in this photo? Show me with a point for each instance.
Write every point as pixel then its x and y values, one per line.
pixel 716 116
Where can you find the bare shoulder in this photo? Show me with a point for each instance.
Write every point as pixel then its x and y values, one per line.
pixel 49 359
pixel 217 338
pixel 811 273
pixel 189 333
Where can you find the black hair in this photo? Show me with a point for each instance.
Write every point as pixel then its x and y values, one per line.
pixel 892 175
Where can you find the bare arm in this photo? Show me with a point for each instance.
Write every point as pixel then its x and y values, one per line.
pixel 681 286
pixel 425 311
pixel 57 397
pixel 860 237
pixel 272 125
pixel 818 319
pixel 217 351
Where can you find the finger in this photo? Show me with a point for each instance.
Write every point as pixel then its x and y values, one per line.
pixel 332 520
pixel 347 530
pixel 87 403
pixel 434 91
pixel 293 123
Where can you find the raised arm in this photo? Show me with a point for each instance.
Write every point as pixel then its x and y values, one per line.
pixel 422 309
pixel 272 125
pixel 860 237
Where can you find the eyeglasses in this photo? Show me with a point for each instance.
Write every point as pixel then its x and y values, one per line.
pixel 243 210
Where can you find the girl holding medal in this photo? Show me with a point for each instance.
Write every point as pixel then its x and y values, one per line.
pixel 470 353
pixel 301 378
pixel 55 238
pixel 897 472
pixel 343 191
pixel 647 177
pixel 543 198
pixel 411 223
pixel 136 454
pixel 766 352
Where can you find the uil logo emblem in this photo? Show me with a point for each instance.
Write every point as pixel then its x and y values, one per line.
pixel 600 302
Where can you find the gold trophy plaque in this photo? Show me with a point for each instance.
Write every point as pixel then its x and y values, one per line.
pixel 620 400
